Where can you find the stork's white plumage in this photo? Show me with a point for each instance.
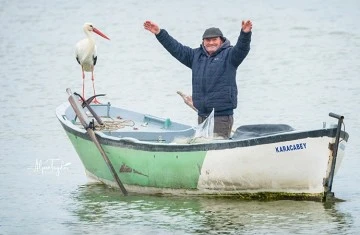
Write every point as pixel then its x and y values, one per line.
pixel 86 54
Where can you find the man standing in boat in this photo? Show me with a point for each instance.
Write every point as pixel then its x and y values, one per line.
pixel 213 66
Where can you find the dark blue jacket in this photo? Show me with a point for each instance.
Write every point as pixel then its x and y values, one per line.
pixel 213 77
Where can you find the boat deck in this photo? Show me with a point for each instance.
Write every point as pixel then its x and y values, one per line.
pixel 123 123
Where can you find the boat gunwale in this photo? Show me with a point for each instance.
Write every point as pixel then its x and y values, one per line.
pixel 133 143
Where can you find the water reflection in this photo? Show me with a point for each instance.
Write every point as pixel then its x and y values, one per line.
pixel 97 204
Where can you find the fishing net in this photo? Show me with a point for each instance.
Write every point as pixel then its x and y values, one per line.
pixel 206 128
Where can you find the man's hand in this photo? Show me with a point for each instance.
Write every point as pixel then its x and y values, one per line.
pixel 246 26
pixel 152 27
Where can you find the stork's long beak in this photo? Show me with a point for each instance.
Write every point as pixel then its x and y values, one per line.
pixel 95 30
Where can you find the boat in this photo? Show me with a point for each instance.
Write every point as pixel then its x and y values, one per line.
pixel 145 154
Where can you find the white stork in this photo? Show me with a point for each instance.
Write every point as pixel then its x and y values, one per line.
pixel 86 54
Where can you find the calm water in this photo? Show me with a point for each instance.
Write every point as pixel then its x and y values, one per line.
pixel 304 63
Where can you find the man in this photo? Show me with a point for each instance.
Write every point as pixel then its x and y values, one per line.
pixel 213 66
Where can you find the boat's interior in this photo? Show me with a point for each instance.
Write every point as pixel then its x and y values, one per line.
pixel 121 123
pixel 258 130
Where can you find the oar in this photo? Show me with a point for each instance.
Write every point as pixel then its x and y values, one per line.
pixel 83 119
pixel 187 99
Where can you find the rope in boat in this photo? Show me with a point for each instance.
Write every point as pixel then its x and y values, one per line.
pixel 110 125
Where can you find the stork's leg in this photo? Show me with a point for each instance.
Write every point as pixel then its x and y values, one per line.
pixel 93 83
pixel 83 82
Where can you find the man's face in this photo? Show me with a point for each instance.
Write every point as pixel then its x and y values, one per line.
pixel 212 44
